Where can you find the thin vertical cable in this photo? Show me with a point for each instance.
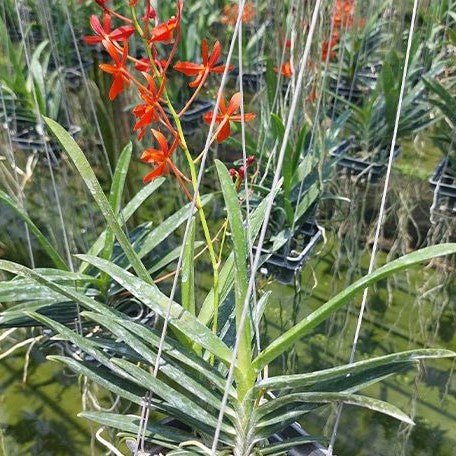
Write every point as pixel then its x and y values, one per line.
pixel 381 215
pixel 275 186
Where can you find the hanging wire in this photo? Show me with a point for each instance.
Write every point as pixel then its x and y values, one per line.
pixel 274 188
pixel 381 212
pixel 203 154
pixel 87 88
pixel 10 149
pixel 40 123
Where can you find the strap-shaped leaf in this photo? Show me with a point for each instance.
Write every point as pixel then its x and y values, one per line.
pixel 239 239
pixel 159 303
pixel 131 207
pixel 179 375
pixel 285 382
pixel 115 196
pixel 188 272
pixel 130 424
pixel 226 278
pixel 323 398
pixel 172 350
pixel 68 292
pixel 192 411
pixel 282 447
pixel 88 175
pixel 295 333
pixel 53 254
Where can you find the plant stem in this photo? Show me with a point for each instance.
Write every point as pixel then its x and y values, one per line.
pixel 194 178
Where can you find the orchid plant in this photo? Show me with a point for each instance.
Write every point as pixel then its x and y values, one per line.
pixel 185 373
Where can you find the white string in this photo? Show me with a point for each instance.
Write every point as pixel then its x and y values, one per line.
pixel 381 212
pixel 195 196
pixel 40 122
pixel 86 86
pixel 246 183
pixel 274 188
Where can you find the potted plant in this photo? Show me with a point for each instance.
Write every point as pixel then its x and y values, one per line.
pixel 444 178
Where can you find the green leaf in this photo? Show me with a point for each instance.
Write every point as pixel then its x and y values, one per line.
pixel 226 278
pixel 125 215
pixel 284 382
pixel 159 303
pixel 86 172
pixel 181 376
pixel 187 407
pixel 115 196
pixel 58 261
pixel 281 448
pixel 239 240
pixel 295 333
pixel 322 398
pixel 130 423
pixel 188 272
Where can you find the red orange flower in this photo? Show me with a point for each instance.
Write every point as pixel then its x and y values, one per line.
pixel 118 70
pixel 161 158
pixel 286 70
pixel 165 32
pixel 150 110
pixel 231 12
pixel 226 115
pixel 201 70
pixel 104 32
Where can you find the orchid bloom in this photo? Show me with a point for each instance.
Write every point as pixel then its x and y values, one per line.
pixel 150 110
pixel 165 32
pixel 226 115
pixel 104 33
pixel 231 12
pixel 286 70
pixel 118 70
pixel 201 70
pixel 161 158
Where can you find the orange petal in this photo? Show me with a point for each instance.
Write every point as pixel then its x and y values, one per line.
pixel 204 52
pixel 116 88
pixel 161 140
pixel 224 132
pixel 234 104
pixel 158 171
pixel 216 52
pixel 189 68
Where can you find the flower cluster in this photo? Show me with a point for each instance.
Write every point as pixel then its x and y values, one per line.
pixel 231 12
pixel 149 73
pixel 342 18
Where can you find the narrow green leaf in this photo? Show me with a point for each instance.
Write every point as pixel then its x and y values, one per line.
pixel 239 239
pixel 322 398
pixel 188 272
pixel 125 215
pixel 86 172
pixel 53 254
pixel 177 400
pixel 130 424
pixel 295 333
pixel 159 303
pixel 283 382
pixel 115 196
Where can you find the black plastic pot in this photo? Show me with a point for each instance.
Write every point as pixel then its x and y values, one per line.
pixel 444 180
pixel 289 259
pixel 346 90
pixel 358 167
pixel 251 81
